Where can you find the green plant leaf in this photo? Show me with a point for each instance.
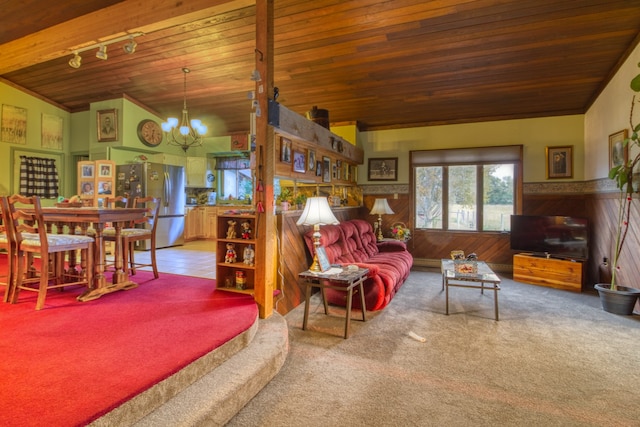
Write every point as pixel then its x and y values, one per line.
pixel 635 83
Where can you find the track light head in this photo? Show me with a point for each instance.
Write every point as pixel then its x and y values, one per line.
pixel 76 61
pixel 102 52
pixel 130 47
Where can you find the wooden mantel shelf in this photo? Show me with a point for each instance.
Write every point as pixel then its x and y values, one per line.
pixel 293 125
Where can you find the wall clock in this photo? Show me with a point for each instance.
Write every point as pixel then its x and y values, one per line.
pixel 150 133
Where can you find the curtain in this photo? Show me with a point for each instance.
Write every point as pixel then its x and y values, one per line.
pixel 38 177
pixel 232 163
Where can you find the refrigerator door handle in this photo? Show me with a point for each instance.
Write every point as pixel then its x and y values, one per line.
pixel 167 189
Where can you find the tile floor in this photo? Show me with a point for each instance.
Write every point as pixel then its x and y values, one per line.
pixel 196 258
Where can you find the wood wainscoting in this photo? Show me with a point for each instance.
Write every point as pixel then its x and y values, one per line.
pixel 293 256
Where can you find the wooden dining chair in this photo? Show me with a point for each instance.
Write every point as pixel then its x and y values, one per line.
pixel 30 237
pixel 6 279
pixel 143 229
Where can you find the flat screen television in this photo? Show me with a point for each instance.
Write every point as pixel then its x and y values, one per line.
pixel 554 236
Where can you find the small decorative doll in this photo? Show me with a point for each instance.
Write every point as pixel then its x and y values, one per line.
pixel 245 230
pixel 231 231
pixel 230 257
pixel 248 255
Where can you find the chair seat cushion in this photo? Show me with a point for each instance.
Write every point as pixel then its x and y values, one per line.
pixel 33 239
pixel 127 232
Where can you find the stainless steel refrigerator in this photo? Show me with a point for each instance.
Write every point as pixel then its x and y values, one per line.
pixel 157 180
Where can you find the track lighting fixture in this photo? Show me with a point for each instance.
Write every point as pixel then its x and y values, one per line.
pixel 130 47
pixel 102 52
pixel 76 61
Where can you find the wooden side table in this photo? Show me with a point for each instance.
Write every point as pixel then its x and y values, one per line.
pixel 344 281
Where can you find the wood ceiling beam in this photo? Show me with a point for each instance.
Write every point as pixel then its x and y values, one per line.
pixel 105 24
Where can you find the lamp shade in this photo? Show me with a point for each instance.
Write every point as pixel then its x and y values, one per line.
pixel 381 207
pixel 317 212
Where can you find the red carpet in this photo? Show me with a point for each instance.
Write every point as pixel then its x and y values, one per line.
pixel 72 362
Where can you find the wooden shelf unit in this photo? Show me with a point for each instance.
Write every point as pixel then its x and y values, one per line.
pixel 550 272
pixel 226 272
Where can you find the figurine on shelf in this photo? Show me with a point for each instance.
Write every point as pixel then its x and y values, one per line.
pixel 231 231
pixel 248 255
pixel 230 257
pixel 246 230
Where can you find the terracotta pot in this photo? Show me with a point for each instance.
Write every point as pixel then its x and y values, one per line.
pixel 622 300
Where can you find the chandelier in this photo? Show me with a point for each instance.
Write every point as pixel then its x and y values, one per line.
pixel 188 133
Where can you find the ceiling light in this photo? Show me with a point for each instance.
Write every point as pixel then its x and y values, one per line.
pixel 130 47
pixel 76 61
pixel 188 133
pixel 102 52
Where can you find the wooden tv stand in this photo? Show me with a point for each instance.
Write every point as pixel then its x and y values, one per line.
pixel 551 272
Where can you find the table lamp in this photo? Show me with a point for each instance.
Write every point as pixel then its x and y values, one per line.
pixel 316 212
pixel 380 207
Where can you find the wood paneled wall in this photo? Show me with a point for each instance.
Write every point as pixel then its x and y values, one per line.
pixel 428 247
pixel 293 256
pixel 602 211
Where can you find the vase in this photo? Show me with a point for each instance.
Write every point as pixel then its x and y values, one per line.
pixel 622 300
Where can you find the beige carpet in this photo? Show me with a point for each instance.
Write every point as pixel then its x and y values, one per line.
pixel 554 359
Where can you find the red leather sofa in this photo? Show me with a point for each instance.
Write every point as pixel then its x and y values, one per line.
pixel 354 242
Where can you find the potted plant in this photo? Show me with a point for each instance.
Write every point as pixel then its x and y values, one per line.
pixel 616 298
pixel 300 200
pixel 285 198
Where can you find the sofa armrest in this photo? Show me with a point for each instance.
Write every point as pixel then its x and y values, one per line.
pixel 392 246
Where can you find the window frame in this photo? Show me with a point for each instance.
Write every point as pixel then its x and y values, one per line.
pixel 477 156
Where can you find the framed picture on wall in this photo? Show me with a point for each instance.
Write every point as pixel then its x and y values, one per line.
pixel 299 162
pixel 383 169
pixel 285 150
pixel 618 151
pixel 326 169
pixel 559 162
pixel 312 159
pixel 107 125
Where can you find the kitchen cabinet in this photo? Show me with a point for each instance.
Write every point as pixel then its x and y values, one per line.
pixel 200 222
pixel 211 221
pixel 200 172
pixel 193 228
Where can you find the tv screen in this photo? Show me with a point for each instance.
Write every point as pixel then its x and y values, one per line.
pixel 557 236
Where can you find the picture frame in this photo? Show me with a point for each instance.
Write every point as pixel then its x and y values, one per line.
pixel 107 125
pixel 14 124
pixel 105 171
pixel 383 169
pixel 326 169
pixel 285 150
pixel 299 162
pixel 311 156
pixel 86 188
pixel 52 127
pixel 318 168
pixel 323 260
pixel 87 171
pixel 559 162
pixel 105 187
pixel 618 150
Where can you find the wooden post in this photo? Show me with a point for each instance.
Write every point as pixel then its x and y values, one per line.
pixel 265 160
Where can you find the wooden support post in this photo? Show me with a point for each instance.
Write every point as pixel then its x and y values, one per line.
pixel 265 150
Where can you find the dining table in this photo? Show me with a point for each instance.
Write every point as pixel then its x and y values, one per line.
pixel 98 218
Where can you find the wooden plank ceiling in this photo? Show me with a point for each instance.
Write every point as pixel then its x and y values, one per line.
pixel 381 63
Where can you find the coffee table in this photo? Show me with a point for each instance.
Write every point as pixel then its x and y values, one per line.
pixel 484 278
